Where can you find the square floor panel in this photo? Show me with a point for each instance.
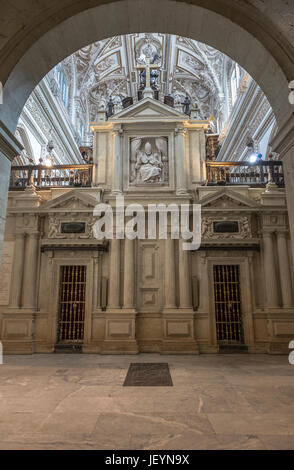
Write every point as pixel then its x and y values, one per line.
pixel 148 375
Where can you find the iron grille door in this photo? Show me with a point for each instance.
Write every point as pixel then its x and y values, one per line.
pixel 72 304
pixel 227 300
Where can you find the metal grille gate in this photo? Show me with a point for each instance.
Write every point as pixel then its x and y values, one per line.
pixel 227 301
pixel 72 304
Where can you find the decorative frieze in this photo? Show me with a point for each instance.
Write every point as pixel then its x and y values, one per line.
pixel 57 223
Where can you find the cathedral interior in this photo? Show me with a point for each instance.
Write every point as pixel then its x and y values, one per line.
pixel 108 148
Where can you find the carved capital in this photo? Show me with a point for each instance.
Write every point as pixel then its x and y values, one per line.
pixel 182 131
pixel 118 132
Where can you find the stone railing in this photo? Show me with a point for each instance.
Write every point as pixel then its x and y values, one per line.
pixel 43 177
pixel 245 173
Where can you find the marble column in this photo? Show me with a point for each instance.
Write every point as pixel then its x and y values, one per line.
pixel 271 288
pixel 114 275
pixel 184 278
pixel 129 274
pixel 170 275
pixel 181 178
pixel 284 265
pixel 30 271
pixel 117 162
pixel 17 274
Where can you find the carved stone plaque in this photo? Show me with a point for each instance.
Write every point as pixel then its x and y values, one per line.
pixel 149 161
pixel 226 227
pixel 5 272
pixel 73 227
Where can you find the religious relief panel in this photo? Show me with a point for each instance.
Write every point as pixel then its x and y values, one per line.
pixel 149 161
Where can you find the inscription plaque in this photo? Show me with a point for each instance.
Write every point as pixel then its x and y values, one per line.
pixel 73 227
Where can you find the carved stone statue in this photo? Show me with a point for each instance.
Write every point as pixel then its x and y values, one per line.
pixel 204 226
pixel 186 104
pixel 245 228
pixel 110 107
pixel 149 161
pixel 54 228
pixel 148 165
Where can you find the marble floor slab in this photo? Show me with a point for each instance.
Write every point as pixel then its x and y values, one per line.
pixel 79 402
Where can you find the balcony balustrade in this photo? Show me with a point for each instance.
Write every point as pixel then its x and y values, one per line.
pixel 42 177
pixel 245 173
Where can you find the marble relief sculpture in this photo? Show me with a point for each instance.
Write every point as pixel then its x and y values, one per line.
pixel 149 160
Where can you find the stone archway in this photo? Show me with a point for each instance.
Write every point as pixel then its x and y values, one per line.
pixel 126 16
pixel 82 26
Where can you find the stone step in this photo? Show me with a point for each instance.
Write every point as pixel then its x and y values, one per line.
pixel 233 349
pixel 69 348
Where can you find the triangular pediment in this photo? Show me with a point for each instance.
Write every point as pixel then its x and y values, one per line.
pixel 227 199
pixel 149 108
pixel 71 201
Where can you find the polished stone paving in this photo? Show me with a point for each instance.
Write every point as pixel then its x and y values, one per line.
pixel 79 402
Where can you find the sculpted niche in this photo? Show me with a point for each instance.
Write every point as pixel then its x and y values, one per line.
pixel 149 161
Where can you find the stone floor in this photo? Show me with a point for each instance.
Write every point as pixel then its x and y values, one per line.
pixel 78 402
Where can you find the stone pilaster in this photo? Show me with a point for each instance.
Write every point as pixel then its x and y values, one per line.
pixel 120 323
pixel 30 271
pixel 117 163
pixel 284 265
pixel 170 275
pixel 129 275
pixel 184 278
pixel 114 275
pixel 181 177
pixel 270 275
pixel 178 323
pixel 17 274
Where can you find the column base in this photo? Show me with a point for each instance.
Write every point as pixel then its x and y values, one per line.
pixel 179 346
pixel 120 346
pixel 170 310
pixel 17 334
pixel 120 332
pixel 15 347
pixel 178 332
pixel 130 311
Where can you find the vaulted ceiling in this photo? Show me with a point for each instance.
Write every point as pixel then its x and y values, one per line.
pixel 110 68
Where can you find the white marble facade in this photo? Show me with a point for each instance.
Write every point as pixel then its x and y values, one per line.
pixel 147 295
